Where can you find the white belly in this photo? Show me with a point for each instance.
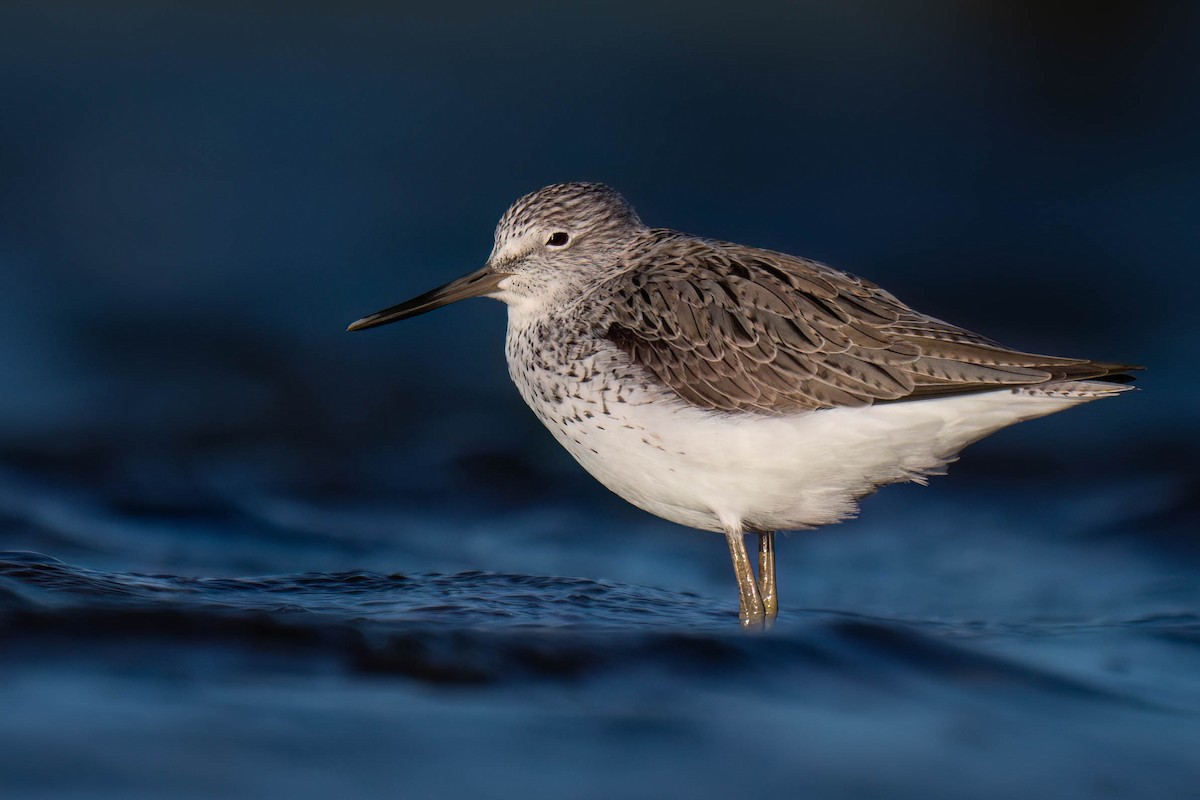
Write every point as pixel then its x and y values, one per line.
pixel 709 470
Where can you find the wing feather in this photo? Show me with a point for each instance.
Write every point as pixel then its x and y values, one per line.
pixel 735 328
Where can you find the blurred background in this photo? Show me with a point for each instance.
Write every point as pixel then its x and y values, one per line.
pixel 197 197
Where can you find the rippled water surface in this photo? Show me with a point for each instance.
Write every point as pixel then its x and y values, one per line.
pixel 931 649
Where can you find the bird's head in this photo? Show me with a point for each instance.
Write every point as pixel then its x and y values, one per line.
pixel 546 244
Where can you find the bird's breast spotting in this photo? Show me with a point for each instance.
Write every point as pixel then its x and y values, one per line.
pixel 570 379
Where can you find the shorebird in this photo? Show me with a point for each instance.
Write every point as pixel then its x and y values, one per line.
pixel 733 389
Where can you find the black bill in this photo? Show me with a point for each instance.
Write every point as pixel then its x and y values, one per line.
pixel 477 284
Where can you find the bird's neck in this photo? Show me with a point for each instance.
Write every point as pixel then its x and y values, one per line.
pixel 532 309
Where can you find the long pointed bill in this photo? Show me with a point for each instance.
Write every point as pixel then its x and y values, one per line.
pixel 477 284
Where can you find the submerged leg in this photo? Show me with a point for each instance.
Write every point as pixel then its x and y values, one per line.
pixel 766 575
pixel 751 601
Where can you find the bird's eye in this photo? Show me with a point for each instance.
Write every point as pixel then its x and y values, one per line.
pixel 558 239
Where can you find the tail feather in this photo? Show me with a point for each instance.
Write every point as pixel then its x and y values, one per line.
pixel 1060 373
pixel 1110 373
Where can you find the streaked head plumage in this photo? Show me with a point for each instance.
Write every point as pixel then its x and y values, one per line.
pixel 562 217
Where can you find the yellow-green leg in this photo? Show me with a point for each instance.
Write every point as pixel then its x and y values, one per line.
pixel 752 612
pixel 766 576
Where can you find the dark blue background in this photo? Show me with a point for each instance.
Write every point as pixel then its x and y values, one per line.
pixel 196 198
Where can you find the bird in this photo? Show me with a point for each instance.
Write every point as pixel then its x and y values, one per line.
pixel 734 389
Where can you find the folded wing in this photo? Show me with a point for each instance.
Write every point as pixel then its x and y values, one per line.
pixel 735 328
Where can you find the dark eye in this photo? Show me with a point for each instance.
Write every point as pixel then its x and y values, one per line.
pixel 558 239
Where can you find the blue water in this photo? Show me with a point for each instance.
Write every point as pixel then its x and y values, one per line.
pixel 950 643
pixel 245 554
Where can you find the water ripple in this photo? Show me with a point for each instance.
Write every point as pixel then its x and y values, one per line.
pixel 477 627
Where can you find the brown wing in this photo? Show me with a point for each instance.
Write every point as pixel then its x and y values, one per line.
pixel 734 328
